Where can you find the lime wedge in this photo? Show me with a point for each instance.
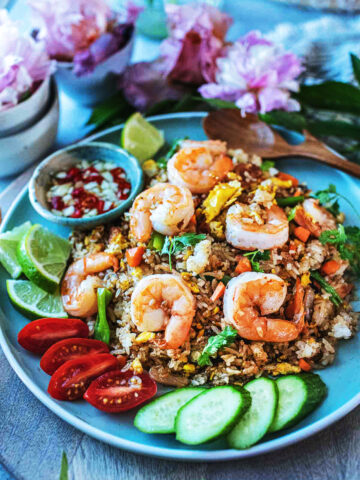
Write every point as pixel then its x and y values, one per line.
pixel 43 256
pixel 8 245
pixel 33 302
pixel 140 138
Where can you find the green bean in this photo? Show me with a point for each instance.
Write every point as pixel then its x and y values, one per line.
pixel 102 329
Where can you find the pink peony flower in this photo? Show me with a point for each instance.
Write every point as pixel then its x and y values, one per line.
pixel 196 39
pixel 144 84
pixel 23 63
pixel 69 26
pixel 257 75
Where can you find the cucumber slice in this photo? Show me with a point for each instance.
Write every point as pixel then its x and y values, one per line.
pixel 254 424
pixel 159 415
pixel 298 396
pixel 211 414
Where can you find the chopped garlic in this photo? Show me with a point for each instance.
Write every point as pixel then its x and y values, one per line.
pixel 198 262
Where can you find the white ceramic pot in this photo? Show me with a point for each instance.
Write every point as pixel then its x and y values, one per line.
pixel 25 113
pixel 23 148
pixel 100 84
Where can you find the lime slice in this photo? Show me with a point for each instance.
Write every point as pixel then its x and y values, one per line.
pixel 33 302
pixel 8 245
pixel 43 256
pixel 140 138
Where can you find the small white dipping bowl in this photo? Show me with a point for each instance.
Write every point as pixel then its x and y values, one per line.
pixel 19 117
pixel 20 150
pixel 92 88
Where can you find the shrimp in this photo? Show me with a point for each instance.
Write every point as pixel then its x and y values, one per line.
pixel 165 208
pixel 163 302
pixel 249 236
pixel 251 296
pixel 314 217
pixel 199 165
pixel 79 285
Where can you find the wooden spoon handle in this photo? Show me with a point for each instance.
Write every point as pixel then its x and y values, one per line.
pixel 313 148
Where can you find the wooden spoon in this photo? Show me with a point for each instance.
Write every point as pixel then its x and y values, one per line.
pixel 256 137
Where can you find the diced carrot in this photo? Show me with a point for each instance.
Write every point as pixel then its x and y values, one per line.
pixel 218 292
pixel 330 267
pixel 287 176
pixel 302 234
pixel 244 265
pixel 297 193
pixel 134 256
pixel 304 365
pixel 193 219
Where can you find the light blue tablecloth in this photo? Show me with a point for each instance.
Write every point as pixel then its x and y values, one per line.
pixel 263 15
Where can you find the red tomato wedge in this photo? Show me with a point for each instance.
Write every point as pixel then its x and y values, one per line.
pixel 69 349
pixel 119 391
pixel 39 335
pixel 71 380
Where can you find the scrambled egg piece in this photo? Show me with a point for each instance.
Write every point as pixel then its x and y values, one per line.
pixel 136 366
pixel 217 229
pixel 285 368
pixel 220 197
pixel 305 279
pixel 144 337
pixel 150 168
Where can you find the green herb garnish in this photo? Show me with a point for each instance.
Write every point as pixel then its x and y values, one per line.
pixel 347 242
pixel 266 165
pixel 64 468
pixel 223 339
pixel 289 201
pixel 335 298
pixel 162 161
pixel 173 245
pixel 102 329
pixel 329 198
pixel 255 257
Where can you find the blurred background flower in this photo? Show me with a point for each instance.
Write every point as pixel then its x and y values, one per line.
pixel 24 64
pixel 257 75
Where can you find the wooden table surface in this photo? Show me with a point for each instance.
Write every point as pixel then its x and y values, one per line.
pixel 32 440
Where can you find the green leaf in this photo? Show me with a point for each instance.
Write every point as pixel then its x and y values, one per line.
pixel 355 62
pixel 173 245
pixel 215 343
pixel 216 102
pixel 64 475
pixel 335 298
pixel 334 128
pixel 290 120
pixel 334 236
pixel 336 96
pixel 266 165
pixel 114 109
pixel 255 257
pixel 329 199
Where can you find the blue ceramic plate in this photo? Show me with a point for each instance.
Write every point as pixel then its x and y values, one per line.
pixel 341 378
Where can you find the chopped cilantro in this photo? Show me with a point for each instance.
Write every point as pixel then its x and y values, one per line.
pixel 329 198
pixel 176 244
pixel 255 257
pixel 215 343
pixel 347 242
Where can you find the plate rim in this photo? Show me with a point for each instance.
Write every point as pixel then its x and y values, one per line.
pixel 179 454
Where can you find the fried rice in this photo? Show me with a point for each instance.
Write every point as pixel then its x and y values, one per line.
pixel 202 267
